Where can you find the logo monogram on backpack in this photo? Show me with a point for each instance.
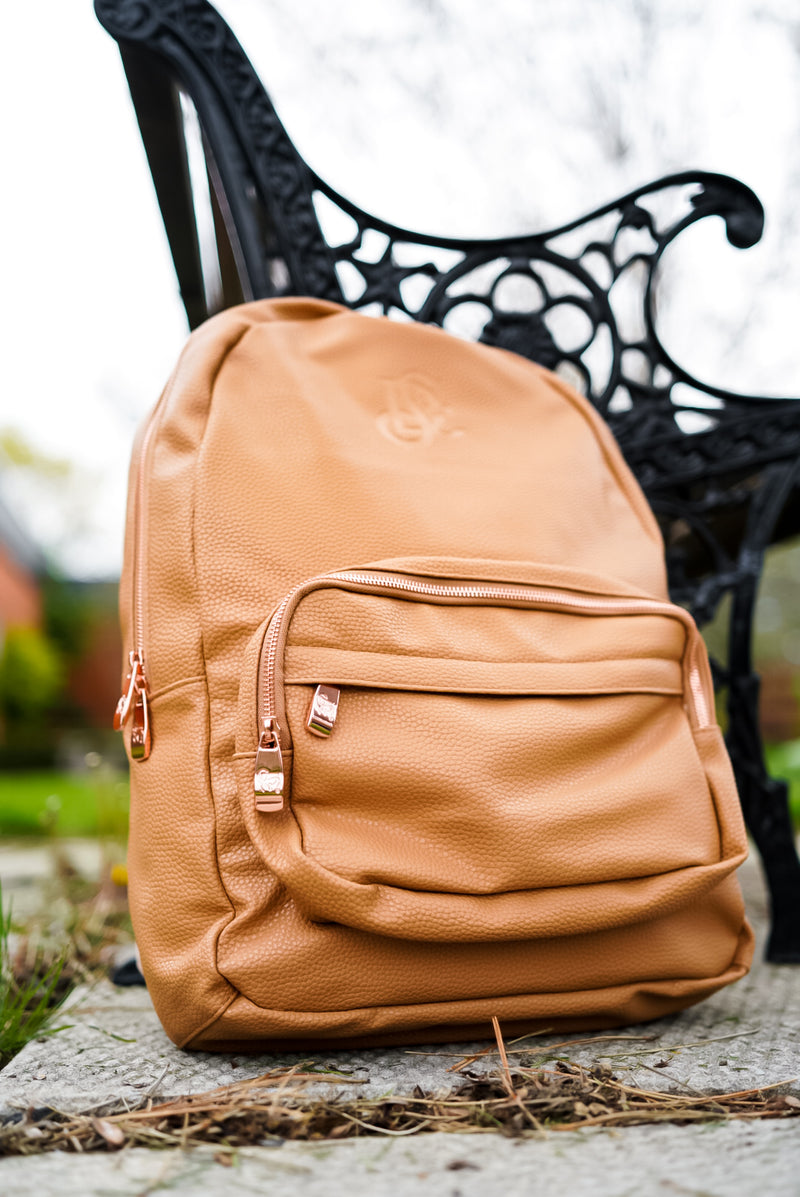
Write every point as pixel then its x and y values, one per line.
pixel 413 414
pixel 446 756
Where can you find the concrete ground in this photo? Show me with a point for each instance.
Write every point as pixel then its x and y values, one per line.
pixel 739 1159
pixel 747 1036
pixel 26 867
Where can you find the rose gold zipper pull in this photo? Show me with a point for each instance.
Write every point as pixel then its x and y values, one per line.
pixel 268 781
pixel 324 708
pixel 124 704
pixel 141 741
pixel 135 699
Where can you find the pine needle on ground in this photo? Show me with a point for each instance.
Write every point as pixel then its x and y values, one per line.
pixel 519 1103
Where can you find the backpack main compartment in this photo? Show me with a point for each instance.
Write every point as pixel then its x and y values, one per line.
pixel 520 803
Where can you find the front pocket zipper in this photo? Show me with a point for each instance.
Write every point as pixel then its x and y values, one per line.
pixel 269 778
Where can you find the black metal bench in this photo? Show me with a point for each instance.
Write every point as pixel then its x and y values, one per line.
pixel 721 470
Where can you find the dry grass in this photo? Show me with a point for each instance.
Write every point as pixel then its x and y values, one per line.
pixel 518 1103
pixel 518 1100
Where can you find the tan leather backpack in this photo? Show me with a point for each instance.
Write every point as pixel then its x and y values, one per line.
pixel 417 737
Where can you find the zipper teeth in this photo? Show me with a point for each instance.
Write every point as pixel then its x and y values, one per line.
pixel 531 594
pixel 137 629
pixel 268 684
pixel 139 545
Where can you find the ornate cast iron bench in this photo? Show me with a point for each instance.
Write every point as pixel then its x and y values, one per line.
pixel 721 470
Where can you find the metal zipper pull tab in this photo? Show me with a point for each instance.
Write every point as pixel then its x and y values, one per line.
pixel 324 708
pixel 129 693
pixel 141 741
pixel 268 781
pixel 135 700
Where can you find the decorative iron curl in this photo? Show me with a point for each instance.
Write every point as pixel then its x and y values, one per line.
pixel 289 252
pixel 523 256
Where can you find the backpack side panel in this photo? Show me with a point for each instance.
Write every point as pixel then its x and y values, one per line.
pixel 178 899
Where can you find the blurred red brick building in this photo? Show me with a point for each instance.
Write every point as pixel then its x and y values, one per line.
pixel 93 676
pixel 21 568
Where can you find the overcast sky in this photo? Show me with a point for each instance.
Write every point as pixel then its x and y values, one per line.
pixel 452 116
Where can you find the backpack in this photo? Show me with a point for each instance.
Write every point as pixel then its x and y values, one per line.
pixel 416 736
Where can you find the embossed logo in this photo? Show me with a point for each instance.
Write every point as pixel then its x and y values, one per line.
pixel 268 783
pixel 413 414
pixel 324 707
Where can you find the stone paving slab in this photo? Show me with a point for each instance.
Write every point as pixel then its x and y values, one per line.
pixel 734 1159
pixel 748 1036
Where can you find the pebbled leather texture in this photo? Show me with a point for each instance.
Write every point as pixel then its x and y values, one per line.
pixel 518 811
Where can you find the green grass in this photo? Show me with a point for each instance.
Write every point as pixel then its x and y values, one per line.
pixel 50 802
pixel 783 760
pixel 27 1002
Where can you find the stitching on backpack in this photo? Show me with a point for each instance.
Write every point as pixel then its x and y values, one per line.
pixel 622 987
pixel 219 1012
pixel 611 453
pixel 185 682
pixel 193 552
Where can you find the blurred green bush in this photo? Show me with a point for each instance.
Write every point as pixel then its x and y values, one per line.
pixel 32 677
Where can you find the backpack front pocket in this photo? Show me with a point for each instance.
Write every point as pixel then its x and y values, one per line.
pixel 470 759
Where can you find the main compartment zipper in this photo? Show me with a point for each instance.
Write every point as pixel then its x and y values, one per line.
pixel 135 699
pixel 269 781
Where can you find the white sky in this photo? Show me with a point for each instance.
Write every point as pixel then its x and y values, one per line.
pixel 454 116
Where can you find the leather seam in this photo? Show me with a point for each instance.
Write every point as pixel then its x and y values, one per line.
pixel 610 450
pixel 712 792
pixel 382 652
pixel 741 937
pixel 484 690
pixel 218 1013
pixel 193 548
pixel 575 885
pixel 184 683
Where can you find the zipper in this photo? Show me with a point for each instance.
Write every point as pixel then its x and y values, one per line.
pixel 135 700
pixel 268 782
pixel 544 598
